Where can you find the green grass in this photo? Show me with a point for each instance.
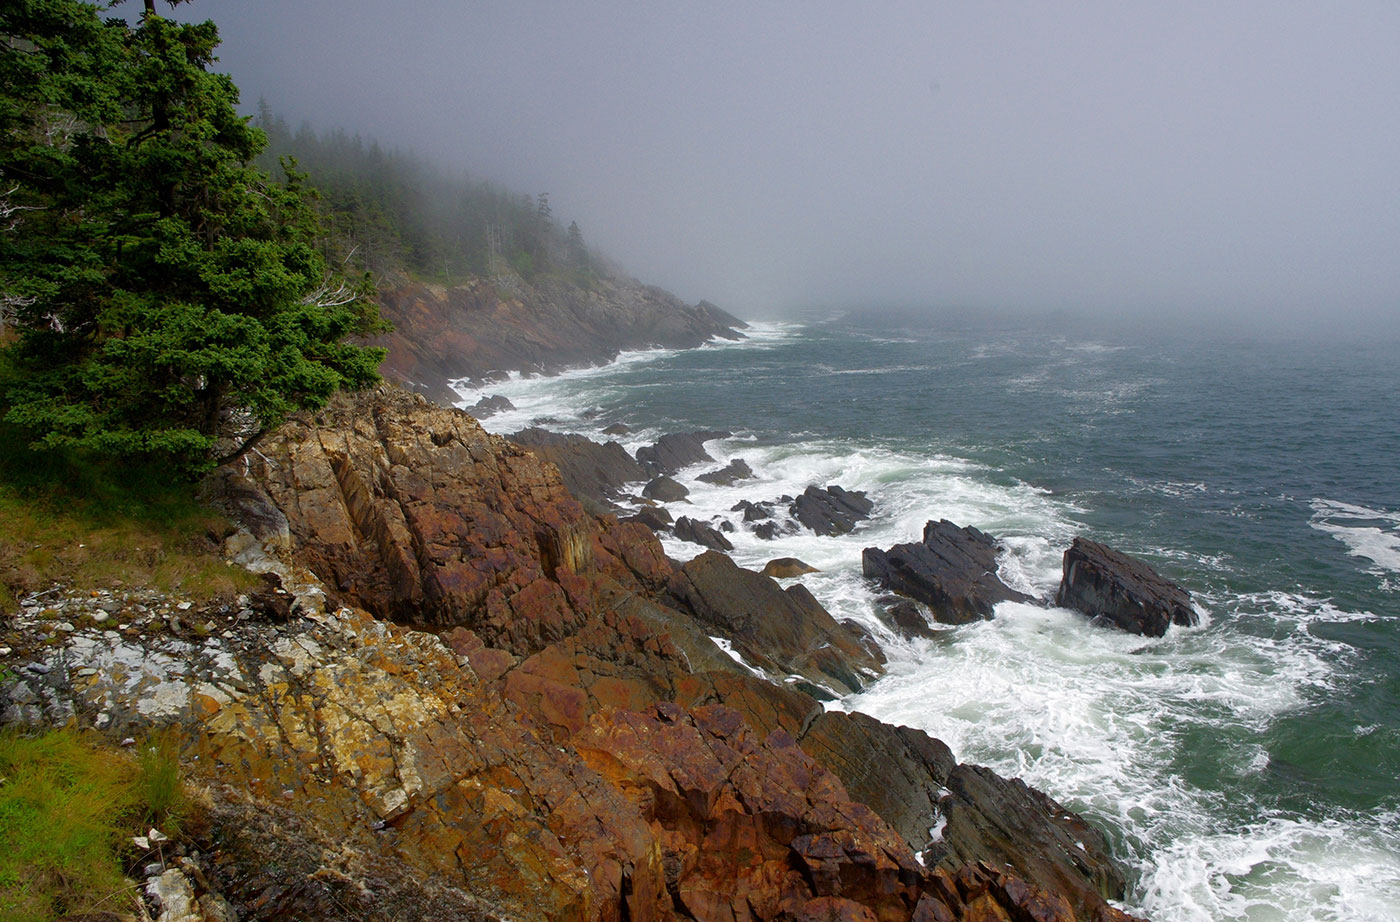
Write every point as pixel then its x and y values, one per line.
pixel 68 807
pixel 94 525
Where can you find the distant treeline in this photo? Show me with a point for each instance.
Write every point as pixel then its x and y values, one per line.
pixel 391 212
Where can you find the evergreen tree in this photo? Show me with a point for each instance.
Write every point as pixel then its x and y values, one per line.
pixel 166 299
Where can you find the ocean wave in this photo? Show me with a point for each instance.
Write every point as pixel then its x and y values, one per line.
pixel 1367 533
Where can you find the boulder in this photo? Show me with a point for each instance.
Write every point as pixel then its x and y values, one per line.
pixel 786 568
pixel 753 512
pixel 832 511
pixel 953 572
pixel 655 518
pixel 736 470
pixel 783 632
pixel 905 617
pixel 617 429
pixel 677 450
pixel 1111 587
pixel 664 490
pixel 590 470
pixel 490 406
pixel 697 532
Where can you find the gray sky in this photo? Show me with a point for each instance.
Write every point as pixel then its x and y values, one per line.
pixel 1159 159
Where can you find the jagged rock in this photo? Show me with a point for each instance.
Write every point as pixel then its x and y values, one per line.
pixel 696 532
pixel 766 530
pixel 665 490
pixel 734 471
pixel 1008 823
pixel 490 406
pixel 904 616
pixel 677 450
pixel 617 429
pixel 654 517
pixel 590 470
pixel 832 511
pixel 953 572
pixel 753 512
pixel 783 632
pixel 786 568
pixel 1110 586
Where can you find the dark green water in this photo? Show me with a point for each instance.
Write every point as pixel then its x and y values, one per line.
pixel 1247 769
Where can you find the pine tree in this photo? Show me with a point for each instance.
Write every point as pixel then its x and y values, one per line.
pixel 167 300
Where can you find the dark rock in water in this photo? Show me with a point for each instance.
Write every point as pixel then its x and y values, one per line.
pixel 590 470
pixel 903 784
pixel 832 511
pixel 677 450
pixel 783 632
pixel 766 530
pixel 591 413
pixel 753 512
pixel 490 406
pixel 726 526
pixel 786 568
pixel 657 519
pixel 1006 822
pixel 665 490
pixel 688 529
pixel 953 572
pixel 736 470
pixel 1110 586
pixel 904 616
pixel 617 429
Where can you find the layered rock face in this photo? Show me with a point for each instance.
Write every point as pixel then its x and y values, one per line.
pixel 953 571
pixel 510 708
pixel 480 329
pixel 1110 586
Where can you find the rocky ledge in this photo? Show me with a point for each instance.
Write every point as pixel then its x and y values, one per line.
pixel 484 702
pixel 481 329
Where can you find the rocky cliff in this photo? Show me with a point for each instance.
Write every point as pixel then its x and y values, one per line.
pixel 478 700
pixel 485 328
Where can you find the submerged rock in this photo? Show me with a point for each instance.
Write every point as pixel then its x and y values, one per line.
pixel 1112 587
pixel 953 572
pixel 832 511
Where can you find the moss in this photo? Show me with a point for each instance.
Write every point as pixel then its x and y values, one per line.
pixel 68 807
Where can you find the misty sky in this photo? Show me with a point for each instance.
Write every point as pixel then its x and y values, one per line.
pixel 1153 159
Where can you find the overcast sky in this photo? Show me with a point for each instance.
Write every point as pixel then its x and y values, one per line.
pixel 1156 159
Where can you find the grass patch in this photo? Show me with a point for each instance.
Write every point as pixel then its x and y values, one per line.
pixel 68 807
pixel 94 525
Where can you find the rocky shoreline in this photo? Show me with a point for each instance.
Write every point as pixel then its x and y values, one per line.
pixel 483 700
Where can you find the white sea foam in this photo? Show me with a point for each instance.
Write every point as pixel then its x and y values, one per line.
pixel 1368 533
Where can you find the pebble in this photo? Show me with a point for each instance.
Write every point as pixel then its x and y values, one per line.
pixel 39 668
pixel 100 616
pixel 185 606
pixel 66 627
pixel 87 672
pixel 6 651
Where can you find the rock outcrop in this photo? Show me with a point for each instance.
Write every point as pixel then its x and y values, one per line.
pixel 499 706
pixel 481 329
pixel 1111 587
pixel 730 474
pixel 592 471
pixel 705 535
pixel 953 571
pixel 831 511
pixel 784 632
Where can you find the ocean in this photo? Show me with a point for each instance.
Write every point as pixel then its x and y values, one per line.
pixel 1245 769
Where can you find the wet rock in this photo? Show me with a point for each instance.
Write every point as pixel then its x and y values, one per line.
pixel 753 512
pixel 593 471
pixel 953 572
pixel 617 429
pixel 832 511
pixel 489 406
pixel 665 490
pixel 697 532
pixel 786 568
pixel 905 617
pixel 766 530
pixel 677 450
pixel 732 473
pixel 1111 587
pixel 783 632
